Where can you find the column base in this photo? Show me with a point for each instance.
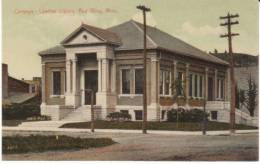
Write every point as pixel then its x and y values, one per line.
pixel 72 100
pixel 107 102
pixel 153 112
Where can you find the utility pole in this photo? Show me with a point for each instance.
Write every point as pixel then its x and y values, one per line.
pixel 144 10
pixel 229 35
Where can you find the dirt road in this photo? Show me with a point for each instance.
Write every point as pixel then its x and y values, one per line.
pixel 155 147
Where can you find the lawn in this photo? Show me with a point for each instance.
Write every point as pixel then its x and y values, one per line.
pixel 37 143
pixel 184 126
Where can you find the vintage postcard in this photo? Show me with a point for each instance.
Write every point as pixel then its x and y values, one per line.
pixel 121 80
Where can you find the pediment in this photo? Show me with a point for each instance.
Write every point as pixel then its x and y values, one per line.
pixel 87 34
pixel 82 37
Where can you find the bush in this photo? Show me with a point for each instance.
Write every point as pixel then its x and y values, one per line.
pixel 194 115
pixel 23 144
pixel 20 112
pixel 39 118
pixel 118 116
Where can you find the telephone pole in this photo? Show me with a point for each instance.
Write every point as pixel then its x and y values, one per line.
pixel 144 10
pixel 229 35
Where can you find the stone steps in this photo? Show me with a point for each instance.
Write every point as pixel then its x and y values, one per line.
pixel 43 124
pixel 80 114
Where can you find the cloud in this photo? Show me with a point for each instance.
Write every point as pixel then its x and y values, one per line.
pixel 149 18
pixel 202 30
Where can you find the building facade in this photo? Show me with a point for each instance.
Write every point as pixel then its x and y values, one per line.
pixel 110 62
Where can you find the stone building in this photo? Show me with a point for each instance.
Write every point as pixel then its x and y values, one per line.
pixel 110 62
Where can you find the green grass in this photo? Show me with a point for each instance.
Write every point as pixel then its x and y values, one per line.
pixel 24 144
pixel 185 126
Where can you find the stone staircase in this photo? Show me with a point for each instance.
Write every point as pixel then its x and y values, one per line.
pixel 80 114
pixel 42 124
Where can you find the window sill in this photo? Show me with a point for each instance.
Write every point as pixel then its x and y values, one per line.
pixel 129 95
pixel 165 95
pixel 57 96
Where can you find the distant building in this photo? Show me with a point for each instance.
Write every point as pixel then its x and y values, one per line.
pixel 34 85
pixel 17 91
pixel 245 66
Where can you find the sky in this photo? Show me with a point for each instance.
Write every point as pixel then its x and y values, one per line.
pixel 30 26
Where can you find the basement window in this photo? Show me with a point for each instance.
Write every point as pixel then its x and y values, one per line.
pixel 138 115
pixel 214 115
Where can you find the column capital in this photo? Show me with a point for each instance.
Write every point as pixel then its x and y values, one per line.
pixel 187 65
pixel 74 60
pixel 154 59
pixel 206 69
pixel 216 70
pixel 175 62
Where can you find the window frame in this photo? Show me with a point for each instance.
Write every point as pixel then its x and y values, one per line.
pixel 121 80
pixel 134 70
pixel 197 85
pixel 163 74
pixel 52 84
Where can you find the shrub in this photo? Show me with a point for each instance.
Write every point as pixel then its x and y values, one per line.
pixel 194 115
pixel 39 118
pixel 19 112
pixel 118 116
pixel 37 143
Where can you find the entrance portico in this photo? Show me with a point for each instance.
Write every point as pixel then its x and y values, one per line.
pixel 88 42
pixel 105 96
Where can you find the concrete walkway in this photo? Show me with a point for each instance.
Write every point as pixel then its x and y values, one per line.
pixel 162 132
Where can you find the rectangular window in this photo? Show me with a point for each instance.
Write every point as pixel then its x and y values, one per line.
pixel 200 86
pixel 126 81
pixel 196 86
pixel 56 81
pixel 222 89
pixel 161 82
pixel 167 83
pixel 180 90
pixel 163 114
pixel 65 81
pixel 190 87
pixel 138 115
pixel 214 115
pixel 139 81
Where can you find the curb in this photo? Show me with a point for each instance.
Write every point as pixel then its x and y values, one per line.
pixel 161 132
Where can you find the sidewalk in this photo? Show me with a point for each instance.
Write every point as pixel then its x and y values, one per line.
pixel 162 132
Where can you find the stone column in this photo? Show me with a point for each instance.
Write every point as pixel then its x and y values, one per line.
pixel 205 90
pixel 105 75
pixel 153 113
pixel 175 76
pixel 216 85
pixel 154 83
pixel 113 78
pixel 99 75
pixel 187 86
pixel 43 83
pixel 68 76
pixel 74 76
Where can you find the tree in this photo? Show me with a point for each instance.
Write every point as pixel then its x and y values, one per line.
pixel 242 98
pixel 251 96
pixel 178 91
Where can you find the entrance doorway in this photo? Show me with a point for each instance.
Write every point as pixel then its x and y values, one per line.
pixel 90 82
pixel 210 89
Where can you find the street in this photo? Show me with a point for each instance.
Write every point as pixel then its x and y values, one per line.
pixel 153 147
